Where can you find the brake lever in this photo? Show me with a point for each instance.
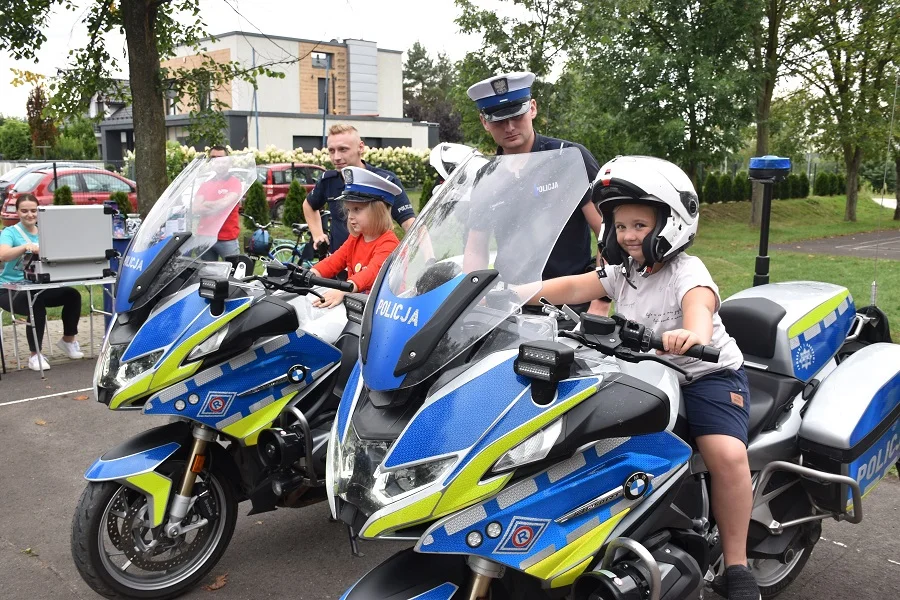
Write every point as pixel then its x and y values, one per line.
pixel 636 357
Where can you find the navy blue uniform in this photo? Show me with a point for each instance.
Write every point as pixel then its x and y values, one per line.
pixel 331 185
pixel 572 253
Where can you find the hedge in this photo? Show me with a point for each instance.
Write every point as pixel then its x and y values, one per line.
pixel 409 164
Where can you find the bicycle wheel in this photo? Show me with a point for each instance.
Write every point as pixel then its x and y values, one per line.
pixel 286 254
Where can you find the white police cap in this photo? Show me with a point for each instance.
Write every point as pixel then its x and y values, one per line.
pixel 362 185
pixel 503 96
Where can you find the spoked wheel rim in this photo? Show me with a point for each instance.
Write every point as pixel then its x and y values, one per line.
pixel 143 558
pixel 285 254
pixel 769 571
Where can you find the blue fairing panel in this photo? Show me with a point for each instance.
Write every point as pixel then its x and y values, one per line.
pixel 809 355
pixel 409 575
pixel 348 400
pixel 882 404
pixel 394 321
pixel 134 464
pixel 533 513
pixel 226 393
pixel 132 266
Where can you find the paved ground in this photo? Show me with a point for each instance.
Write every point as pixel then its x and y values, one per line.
pixel 46 444
pixel 884 244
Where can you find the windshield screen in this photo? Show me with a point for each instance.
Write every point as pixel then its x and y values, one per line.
pixel 503 213
pixel 200 200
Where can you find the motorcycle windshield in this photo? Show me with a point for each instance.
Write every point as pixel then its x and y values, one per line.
pixel 471 259
pixel 198 202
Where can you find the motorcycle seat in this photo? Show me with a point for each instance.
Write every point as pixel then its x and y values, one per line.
pixel 753 323
pixel 770 395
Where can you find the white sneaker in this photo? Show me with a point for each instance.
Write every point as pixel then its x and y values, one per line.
pixel 33 362
pixel 70 349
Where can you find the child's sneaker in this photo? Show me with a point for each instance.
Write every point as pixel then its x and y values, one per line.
pixel 70 349
pixel 34 365
pixel 737 584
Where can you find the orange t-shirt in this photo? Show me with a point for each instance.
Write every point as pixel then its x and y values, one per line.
pixel 362 259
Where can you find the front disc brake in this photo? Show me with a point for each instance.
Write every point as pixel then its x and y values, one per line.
pixel 148 544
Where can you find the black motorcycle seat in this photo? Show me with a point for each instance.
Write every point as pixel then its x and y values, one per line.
pixel 770 395
pixel 753 323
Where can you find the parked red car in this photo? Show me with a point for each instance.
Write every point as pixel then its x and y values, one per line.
pixel 276 180
pixel 89 186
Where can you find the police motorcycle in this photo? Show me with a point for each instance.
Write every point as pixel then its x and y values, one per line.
pixel 248 373
pixel 526 462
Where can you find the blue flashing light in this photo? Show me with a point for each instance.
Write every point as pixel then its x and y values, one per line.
pixel 769 162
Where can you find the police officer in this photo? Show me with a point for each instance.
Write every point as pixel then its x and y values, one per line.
pixel 507 111
pixel 345 149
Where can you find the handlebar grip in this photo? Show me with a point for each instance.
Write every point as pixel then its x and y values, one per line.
pixel 704 353
pixel 344 286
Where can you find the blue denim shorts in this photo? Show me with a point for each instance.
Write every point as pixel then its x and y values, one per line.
pixel 718 403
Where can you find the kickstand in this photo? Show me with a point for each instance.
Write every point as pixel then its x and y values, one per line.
pixel 354 547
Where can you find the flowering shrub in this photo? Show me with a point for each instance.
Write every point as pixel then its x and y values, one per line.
pixel 409 164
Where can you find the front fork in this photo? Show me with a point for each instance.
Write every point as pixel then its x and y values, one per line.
pixel 483 572
pixel 182 501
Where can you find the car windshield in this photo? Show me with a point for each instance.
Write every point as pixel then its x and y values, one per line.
pixel 13 173
pixel 29 182
pixel 500 216
pixel 198 202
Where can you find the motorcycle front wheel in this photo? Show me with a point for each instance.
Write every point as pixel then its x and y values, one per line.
pixel 120 555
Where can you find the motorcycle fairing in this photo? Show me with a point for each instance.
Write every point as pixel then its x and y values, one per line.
pixel 408 575
pixel 267 373
pixel 397 319
pixel 348 402
pixel 142 461
pixel 176 345
pixel 470 480
pixel 536 536
pixel 133 265
pixel 817 337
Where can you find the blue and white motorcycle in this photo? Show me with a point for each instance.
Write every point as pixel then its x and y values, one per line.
pixel 526 462
pixel 249 373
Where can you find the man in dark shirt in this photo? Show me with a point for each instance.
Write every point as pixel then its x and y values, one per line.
pixel 507 112
pixel 345 149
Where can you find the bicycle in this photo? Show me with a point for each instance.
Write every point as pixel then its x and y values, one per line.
pixel 299 252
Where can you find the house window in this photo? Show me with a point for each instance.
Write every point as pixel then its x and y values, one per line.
pixel 322 93
pixel 321 60
pixel 171 106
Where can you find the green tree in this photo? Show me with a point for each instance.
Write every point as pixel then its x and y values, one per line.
pixel 711 189
pixel 43 129
pixel 847 48
pixel 15 139
pixel 62 196
pixel 679 69
pixel 823 184
pixel 428 185
pixel 793 186
pixel 426 92
pixel 293 204
pixel 255 205
pixel 122 202
pixel 804 186
pixel 153 30
pixel 726 188
pixel 741 186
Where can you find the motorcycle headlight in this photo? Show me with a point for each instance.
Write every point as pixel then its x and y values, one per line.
pixel 533 449
pixel 112 374
pixel 359 480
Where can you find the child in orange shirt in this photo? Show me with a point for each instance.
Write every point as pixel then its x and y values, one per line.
pixel 368 199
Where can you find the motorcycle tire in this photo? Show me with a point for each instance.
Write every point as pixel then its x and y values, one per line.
pixel 772 577
pixel 92 530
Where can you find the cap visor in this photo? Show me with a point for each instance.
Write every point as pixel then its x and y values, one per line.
pixel 507 112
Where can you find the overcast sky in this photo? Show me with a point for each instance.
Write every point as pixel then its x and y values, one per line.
pixel 393 24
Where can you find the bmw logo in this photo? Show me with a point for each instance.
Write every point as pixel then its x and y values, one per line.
pixel 296 374
pixel 636 485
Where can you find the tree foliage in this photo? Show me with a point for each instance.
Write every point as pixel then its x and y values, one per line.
pixel 293 204
pixel 425 97
pixel 845 60
pixel 15 139
pixel 255 205
pixel 62 196
pixel 40 122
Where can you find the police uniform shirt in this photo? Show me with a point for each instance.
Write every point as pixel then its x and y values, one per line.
pixel 331 185
pixel 572 253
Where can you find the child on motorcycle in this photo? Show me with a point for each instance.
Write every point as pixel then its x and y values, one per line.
pixel 652 209
pixel 368 199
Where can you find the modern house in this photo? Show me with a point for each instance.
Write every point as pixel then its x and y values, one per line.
pixel 352 81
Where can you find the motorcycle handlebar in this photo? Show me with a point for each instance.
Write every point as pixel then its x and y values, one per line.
pixel 344 286
pixel 704 353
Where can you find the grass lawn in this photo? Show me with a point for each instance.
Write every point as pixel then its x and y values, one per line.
pixel 728 247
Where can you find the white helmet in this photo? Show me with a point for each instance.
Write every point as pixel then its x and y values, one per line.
pixel 446 157
pixel 654 182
